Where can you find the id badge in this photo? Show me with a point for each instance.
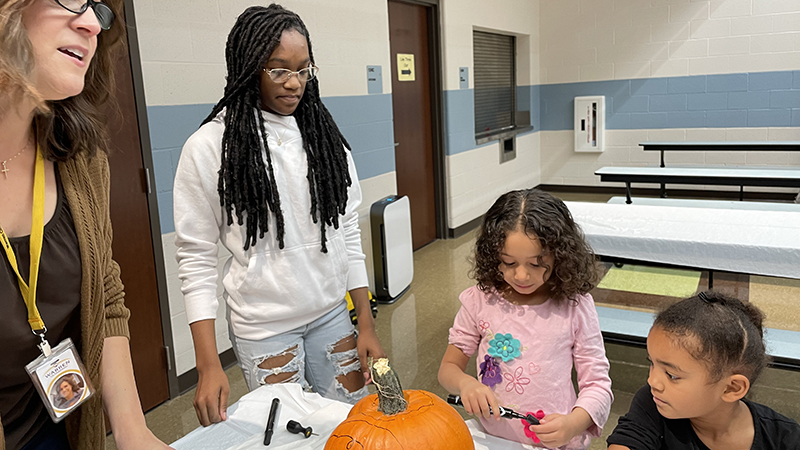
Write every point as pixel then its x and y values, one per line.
pixel 61 380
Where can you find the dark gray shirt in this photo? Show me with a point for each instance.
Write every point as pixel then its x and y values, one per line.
pixel 58 298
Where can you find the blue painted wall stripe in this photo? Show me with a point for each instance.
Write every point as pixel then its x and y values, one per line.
pixel 365 121
pixel 759 99
pixel 460 116
pixel 170 126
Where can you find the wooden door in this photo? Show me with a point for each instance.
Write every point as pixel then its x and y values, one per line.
pixel 411 103
pixel 133 245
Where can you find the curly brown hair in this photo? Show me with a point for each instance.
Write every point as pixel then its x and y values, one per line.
pixel 543 217
pixel 66 127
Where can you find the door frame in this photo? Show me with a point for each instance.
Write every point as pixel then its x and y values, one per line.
pixel 152 199
pixel 437 112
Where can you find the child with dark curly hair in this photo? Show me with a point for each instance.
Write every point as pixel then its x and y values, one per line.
pixel 705 353
pixel 531 319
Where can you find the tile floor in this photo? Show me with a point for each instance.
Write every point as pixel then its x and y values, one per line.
pixel 414 331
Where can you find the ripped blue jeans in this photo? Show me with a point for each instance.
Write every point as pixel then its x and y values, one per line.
pixel 315 355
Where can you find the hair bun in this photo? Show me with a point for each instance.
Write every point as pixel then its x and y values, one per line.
pixel 745 308
pixel 704 297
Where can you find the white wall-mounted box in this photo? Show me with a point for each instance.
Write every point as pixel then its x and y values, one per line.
pixel 590 124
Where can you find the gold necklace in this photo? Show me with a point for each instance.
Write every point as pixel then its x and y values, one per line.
pixel 5 168
pixel 280 138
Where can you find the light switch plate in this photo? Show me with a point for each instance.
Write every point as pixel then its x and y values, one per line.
pixel 374 80
pixel 463 77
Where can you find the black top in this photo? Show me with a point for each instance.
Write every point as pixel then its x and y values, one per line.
pixel 644 428
pixel 58 298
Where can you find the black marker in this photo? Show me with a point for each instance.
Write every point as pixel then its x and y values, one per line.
pixel 273 411
pixel 504 412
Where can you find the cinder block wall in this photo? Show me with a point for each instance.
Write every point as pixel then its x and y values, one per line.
pixel 671 70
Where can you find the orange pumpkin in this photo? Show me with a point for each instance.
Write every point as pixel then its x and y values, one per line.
pixel 425 422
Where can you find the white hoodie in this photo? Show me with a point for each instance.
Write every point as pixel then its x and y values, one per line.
pixel 268 290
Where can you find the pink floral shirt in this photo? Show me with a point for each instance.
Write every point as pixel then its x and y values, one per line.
pixel 526 354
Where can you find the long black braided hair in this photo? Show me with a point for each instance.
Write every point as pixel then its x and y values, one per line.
pixel 245 184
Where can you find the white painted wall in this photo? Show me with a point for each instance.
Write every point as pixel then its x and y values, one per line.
pixel 475 179
pixel 590 40
pixel 182 45
pixel 513 17
pixel 595 40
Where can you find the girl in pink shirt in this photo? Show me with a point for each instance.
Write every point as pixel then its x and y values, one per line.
pixel 531 319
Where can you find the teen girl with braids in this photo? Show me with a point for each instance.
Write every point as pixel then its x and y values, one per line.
pixel 271 177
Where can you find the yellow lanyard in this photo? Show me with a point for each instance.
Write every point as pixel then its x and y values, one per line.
pixel 28 290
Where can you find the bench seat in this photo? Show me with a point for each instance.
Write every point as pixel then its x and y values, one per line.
pixel 722 176
pixel 628 326
pixel 714 204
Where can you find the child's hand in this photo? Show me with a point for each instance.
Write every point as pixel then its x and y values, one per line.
pixel 556 430
pixel 477 398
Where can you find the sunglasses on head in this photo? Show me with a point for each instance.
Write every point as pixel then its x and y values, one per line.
pixel 103 12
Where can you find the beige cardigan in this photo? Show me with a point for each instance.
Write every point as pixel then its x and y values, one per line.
pixel 86 186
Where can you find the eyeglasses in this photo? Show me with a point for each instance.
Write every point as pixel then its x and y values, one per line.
pixel 283 75
pixel 103 12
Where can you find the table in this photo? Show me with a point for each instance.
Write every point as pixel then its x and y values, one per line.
pixel 244 429
pixel 731 240
pixel 723 146
pixel 720 146
pixel 724 176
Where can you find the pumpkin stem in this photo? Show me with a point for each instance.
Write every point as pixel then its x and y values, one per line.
pixel 390 394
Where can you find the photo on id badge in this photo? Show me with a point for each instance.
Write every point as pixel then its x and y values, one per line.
pixel 67 391
pixel 60 380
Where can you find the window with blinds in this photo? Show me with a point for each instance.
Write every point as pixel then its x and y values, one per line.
pixel 495 84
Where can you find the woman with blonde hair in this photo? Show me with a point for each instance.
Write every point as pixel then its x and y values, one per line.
pixel 55 74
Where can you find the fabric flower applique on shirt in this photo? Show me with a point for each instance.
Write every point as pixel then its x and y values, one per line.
pixel 539 415
pixel 490 371
pixel 504 346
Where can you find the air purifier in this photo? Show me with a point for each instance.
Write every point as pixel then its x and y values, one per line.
pixel 392 250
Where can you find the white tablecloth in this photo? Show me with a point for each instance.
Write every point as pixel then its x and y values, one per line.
pixel 739 241
pixel 244 429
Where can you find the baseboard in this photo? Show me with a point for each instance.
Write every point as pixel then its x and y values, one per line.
pixel 457 232
pixel 188 380
pixel 671 192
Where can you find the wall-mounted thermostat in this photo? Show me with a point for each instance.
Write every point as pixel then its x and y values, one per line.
pixel 590 123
